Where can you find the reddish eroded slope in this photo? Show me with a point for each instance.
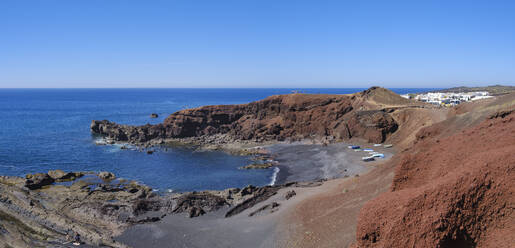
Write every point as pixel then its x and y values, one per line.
pixel 449 191
pixel 377 96
pixel 411 121
pixel 294 116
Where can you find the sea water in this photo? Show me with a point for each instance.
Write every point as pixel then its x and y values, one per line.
pixel 47 129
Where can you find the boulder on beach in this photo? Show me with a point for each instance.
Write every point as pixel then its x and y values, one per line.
pixel 197 203
pixel 290 194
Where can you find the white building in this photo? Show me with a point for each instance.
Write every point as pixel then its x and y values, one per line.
pixel 450 99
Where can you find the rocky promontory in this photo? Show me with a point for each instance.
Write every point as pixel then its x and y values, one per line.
pixel 277 118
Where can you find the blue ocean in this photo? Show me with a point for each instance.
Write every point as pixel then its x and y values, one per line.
pixel 46 129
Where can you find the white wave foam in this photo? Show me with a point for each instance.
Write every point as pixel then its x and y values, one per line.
pixel 100 141
pixel 274 176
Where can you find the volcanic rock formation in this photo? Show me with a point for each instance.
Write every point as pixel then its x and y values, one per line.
pixel 363 115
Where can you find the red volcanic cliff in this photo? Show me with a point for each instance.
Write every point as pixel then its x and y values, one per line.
pixel 281 117
pixel 453 190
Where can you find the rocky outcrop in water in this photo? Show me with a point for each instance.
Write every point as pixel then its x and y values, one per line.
pixel 38 180
pixel 276 118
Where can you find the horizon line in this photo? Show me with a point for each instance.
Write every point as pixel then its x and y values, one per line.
pixel 85 88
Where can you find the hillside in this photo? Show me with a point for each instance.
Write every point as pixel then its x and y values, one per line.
pixel 453 188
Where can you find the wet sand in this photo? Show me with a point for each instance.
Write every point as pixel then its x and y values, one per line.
pixel 298 162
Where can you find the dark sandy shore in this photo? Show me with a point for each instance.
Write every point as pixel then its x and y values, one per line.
pixel 299 162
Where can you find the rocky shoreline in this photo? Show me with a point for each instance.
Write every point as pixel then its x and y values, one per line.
pixel 51 207
pixel 98 206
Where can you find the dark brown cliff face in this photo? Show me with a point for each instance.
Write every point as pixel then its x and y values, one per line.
pixel 282 117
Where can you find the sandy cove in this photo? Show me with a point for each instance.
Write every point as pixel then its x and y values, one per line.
pixel 277 221
pixel 112 212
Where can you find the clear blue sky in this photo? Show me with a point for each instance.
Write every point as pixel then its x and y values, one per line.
pixel 256 43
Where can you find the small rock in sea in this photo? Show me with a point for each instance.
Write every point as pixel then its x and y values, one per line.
pixel 154 115
pixel 56 174
pixel 38 180
pixel 61 176
pixel 106 175
pixel 150 152
pixel 290 194
pixel 124 147
pixel 258 166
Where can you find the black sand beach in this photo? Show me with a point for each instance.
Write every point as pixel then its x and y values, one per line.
pixel 300 162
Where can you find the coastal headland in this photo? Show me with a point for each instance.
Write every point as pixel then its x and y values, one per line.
pixel 365 116
pixel 448 180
